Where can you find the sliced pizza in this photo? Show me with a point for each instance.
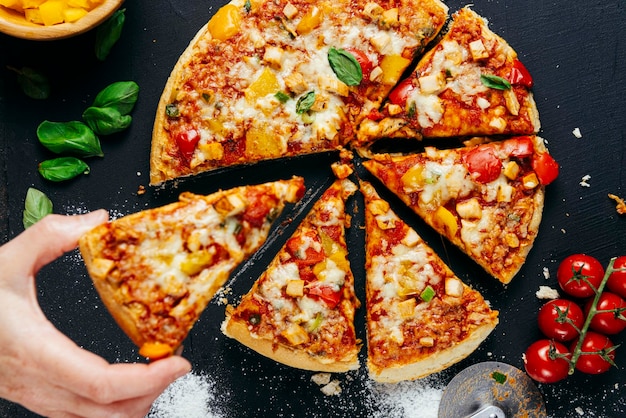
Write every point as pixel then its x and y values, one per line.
pixel 300 312
pixel 266 79
pixel 486 199
pixel 157 269
pixel 471 83
pixel 421 318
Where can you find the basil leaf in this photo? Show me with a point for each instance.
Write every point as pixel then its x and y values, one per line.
pixel 36 206
pixel 109 33
pixel 33 83
pixel 305 102
pixel 495 82
pixel 345 66
pixel 106 120
pixel 62 168
pixel 69 137
pixel 121 96
pixel 282 97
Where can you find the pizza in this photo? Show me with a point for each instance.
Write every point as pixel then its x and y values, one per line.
pixel 157 269
pixel 421 318
pixel 487 199
pixel 300 312
pixel 268 79
pixel 471 83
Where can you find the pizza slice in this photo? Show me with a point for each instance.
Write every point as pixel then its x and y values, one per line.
pixel 157 269
pixel 486 199
pixel 267 79
pixel 421 318
pixel 471 83
pixel 300 312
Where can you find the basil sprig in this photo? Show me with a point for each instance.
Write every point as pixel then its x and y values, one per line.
pixel 345 66
pixel 109 33
pixel 495 82
pixel 36 206
pixel 62 168
pixel 73 137
pixel 120 96
pixel 33 83
pixel 106 120
pixel 305 102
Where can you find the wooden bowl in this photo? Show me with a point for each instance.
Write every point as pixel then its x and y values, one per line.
pixel 15 24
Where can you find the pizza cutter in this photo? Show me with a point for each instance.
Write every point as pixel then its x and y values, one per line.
pixel 491 390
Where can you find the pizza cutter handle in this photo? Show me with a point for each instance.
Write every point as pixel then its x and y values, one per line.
pixel 489 411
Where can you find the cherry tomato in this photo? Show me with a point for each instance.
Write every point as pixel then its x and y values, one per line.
pixel 612 322
pixel 483 163
pixel 364 62
pixel 617 279
pixel 187 141
pixel 596 349
pixel 327 294
pixel 520 75
pixel 546 168
pixel 521 146
pixel 401 92
pixel 543 361
pixel 579 275
pixel 560 319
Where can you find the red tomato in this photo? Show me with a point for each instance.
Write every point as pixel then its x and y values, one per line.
pixel 546 168
pixel 617 279
pixel 521 146
pixel 579 275
pixel 597 353
pixel 546 361
pixel 613 321
pixel 364 62
pixel 400 93
pixel 483 163
pixel 560 319
pixel 520 75
pixel 327 294
pixel 187 141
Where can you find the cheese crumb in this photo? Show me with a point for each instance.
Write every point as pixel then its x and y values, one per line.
pixel 576 132
pixel 583 181
pixel 546 273
pixel 546 292
pixel 321 378
pixel 579 411
pixel 332 388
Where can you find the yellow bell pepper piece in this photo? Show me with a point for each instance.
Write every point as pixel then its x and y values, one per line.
pixel 72 14
pixel 225 23
pixel 156 350
pixel 52 12
pixel 267 83
pixel 261 143
pixel 393 66
pixel 444 219
pixel 310 20
pixel 32 4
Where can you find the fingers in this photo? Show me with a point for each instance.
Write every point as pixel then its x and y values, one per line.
pixel 48 239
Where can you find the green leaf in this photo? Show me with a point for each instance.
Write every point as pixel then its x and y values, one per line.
pixel 345 66
pixel 109 33
pixel 33 83
pixel 36 206
pixel 69 137
pixel 428 294
pixel 121 96
pixel 62 168
pixel 499 377
pixel 495 82
pixel 106 120
pixel 172 111
pixel 305 102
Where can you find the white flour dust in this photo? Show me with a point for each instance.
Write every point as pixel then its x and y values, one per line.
pixel 418 399
pixel 191 396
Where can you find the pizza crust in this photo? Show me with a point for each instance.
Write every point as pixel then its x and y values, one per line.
pixel 435 362
pixel 283 354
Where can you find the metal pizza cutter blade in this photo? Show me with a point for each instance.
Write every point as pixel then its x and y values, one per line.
pixel 491 390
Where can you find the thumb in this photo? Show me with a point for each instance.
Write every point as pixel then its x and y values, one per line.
pixel 48 239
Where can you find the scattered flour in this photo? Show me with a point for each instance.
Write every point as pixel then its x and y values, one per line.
pixel 417 399
pixel 188 397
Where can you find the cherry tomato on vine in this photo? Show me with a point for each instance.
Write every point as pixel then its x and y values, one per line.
pixel 546 361
pixel 597 354
pixel 613 321
pixel 560 319
pixel 617 279
pixel 579 275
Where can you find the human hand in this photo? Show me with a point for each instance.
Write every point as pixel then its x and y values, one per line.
pixel 42 369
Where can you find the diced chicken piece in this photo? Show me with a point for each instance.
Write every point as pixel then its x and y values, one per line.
pixel 510 99
pixel 295 288
pixel 274 56
pixel 430 84
pixel 469 209
pixel 381 42
pixel 290 11
pixel 511 170
pixel 333 85
pixel 454 287
pixel 478 50
pixel 295 83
